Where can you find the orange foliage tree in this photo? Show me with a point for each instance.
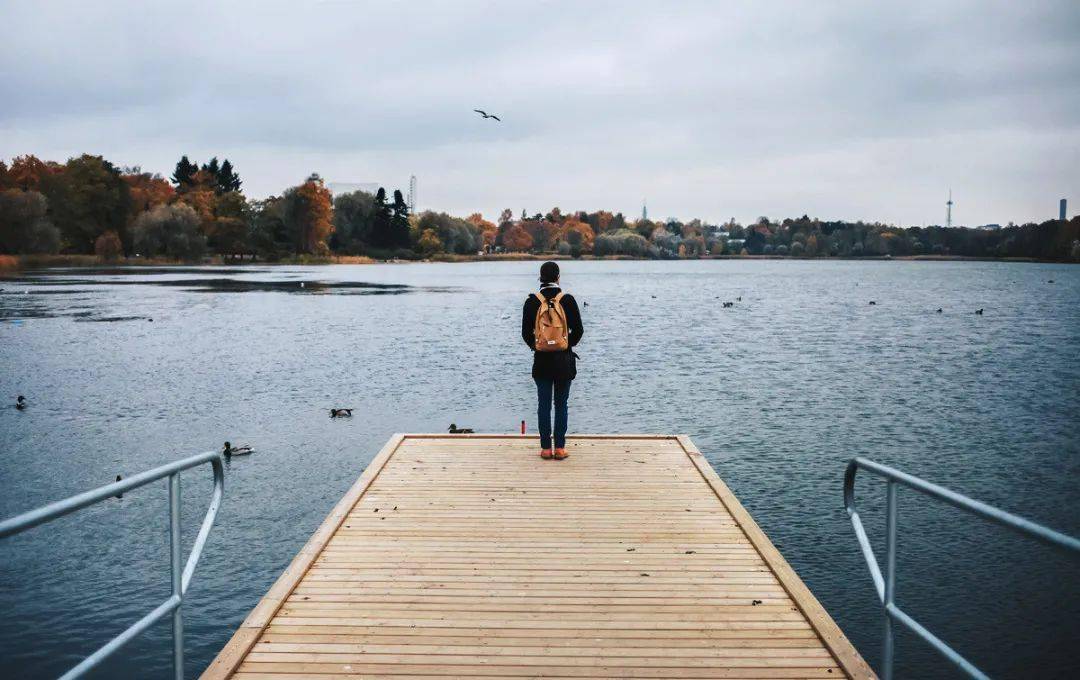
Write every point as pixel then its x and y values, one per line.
pixel 309 215
pixel 108 247
pixel 515 238
pixel 147 191
pixel 578 234
pixel 487 229
pixel 543 232
pixel 28 172
pixel 604 220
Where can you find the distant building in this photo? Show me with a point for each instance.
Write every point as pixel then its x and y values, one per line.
pixel 989 226
pixel 1061 210
pixel 338 188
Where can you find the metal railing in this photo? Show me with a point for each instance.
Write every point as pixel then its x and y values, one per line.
pixel 180 578
pixel 886 586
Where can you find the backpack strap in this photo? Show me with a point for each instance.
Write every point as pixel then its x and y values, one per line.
pixel 541 298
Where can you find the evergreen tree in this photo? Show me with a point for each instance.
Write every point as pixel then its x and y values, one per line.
pixel 381 232
pixel 212 167
pixel 399 221
pixel 185 172
pixel 227 179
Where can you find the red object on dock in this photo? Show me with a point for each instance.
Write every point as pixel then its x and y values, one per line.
pixel 523 427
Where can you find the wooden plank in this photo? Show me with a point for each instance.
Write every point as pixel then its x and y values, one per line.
pixel 466 555
pixel 849 659
pixel 230 657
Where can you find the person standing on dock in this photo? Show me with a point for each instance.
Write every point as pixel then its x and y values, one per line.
pixel 551 327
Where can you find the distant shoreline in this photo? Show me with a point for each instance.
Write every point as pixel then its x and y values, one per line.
pixel 14 263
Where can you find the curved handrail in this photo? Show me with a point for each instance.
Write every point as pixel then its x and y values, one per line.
pixel 885 584
pixel 181 579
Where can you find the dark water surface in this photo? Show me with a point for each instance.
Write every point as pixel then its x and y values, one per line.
pixel 778 391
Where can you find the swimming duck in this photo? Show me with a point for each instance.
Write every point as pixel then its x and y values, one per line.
pixel 231 451
pixel 20 403
pixel 872 302
pixel 979 311
pixel 341 413
pixel 939 310
pixel 454 429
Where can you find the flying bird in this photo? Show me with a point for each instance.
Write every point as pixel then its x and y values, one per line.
pixel 485 114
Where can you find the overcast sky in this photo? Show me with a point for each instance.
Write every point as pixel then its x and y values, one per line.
pixel 842 110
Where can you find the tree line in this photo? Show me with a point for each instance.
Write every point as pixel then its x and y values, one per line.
pixel 88 205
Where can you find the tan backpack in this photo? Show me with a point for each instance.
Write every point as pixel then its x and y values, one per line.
pixel 551 331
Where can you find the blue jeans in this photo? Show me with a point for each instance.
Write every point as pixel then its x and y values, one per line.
pixel 545 389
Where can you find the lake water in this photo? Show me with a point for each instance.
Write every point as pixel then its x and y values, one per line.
pixel 778 392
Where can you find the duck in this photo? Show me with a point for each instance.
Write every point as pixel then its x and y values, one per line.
pixel 229 450
pixel 20 403
pixel 728 304
pixel 341 413
pixel 979 311
pixel 872 302
pixel 454 429
pixel 739 299
pixel 939 310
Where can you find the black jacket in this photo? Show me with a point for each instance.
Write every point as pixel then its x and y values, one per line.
pixel 553 365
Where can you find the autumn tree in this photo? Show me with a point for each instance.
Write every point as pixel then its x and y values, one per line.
pixel 577 235
pixel 308 215
pixel 455 234
pixel 269 235
pixel 516 239
pixel 169 231
pixel 487 229
pixel 88 198
pixel 354 220
pixel 429 243
pixel 24 223
pixel 108 247
pixel 227 232
pixel 200 193
pixel 146 190
pixel 30 173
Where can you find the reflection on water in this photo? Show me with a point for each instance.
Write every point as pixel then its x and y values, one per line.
pixel 18 298
pixel 778 390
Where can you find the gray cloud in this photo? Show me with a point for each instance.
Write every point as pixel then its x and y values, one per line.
pixel 841 110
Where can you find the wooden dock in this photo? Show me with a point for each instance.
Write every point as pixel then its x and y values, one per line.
pixel 470 556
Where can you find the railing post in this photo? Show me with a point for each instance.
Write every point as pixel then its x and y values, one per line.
pixel 890 578
pixel 177 573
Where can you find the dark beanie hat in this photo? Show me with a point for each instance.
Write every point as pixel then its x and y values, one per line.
pixel 549 272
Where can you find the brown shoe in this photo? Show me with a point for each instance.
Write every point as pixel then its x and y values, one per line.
pixel 560 454
pixel 545 454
